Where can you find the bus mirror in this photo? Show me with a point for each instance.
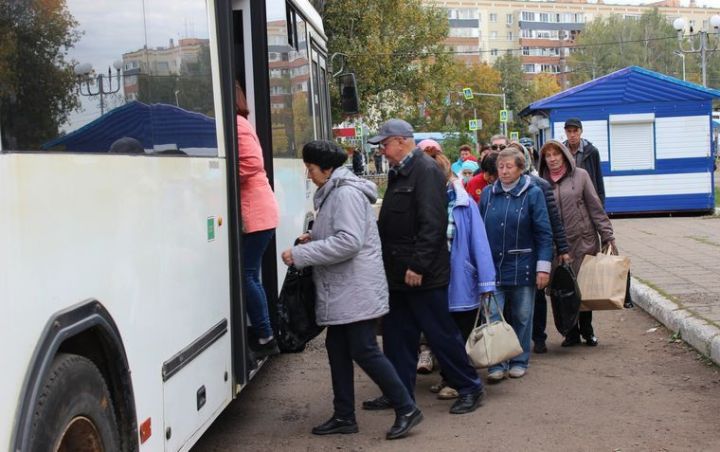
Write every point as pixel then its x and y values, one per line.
pixel 349 102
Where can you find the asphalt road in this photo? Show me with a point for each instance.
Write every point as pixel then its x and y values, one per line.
pixel 638 390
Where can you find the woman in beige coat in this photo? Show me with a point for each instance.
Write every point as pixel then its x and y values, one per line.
pixel 586 224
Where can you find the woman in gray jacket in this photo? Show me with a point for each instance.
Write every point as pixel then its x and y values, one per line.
pixel 344 250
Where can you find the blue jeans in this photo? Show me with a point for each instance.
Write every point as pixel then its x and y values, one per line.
pixel 253 248
pixel 521 301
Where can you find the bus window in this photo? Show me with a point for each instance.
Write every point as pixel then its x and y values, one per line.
pixel 289 68
pixel 106 71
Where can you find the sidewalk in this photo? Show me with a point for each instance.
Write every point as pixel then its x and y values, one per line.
pixel 676 274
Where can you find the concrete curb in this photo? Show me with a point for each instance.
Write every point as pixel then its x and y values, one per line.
pixel 703 336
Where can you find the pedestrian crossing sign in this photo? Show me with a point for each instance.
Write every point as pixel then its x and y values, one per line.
pixel 514 136
pixel 473 124
pixel 503 115
pixel 468 93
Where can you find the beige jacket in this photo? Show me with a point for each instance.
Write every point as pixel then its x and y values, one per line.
pixel 581 210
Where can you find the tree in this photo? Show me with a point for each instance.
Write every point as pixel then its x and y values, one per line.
pixel 37 82
pixel 542 86
pixel 612 43
pixel 387 44
pixel 514 86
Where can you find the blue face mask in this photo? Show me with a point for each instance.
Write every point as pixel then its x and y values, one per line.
pixel 466 179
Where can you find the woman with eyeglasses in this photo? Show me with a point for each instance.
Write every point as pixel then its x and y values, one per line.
pixel 518 229
pixel 351 288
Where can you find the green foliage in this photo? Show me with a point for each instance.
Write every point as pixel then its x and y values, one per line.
pixel 451 144
pixel 516 88
pixel 37 82
pixel 648 41
pixel 386 44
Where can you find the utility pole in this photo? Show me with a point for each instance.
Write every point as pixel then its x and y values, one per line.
pixel 703 50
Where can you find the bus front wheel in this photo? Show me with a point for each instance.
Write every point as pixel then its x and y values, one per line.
pixel 74 411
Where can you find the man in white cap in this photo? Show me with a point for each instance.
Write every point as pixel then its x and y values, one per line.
pixel 413 226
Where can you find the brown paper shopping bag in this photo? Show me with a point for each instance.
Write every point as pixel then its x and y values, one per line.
pixel 603 281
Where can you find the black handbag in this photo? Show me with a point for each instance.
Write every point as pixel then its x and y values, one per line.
pixel 295 317
pixel 565 298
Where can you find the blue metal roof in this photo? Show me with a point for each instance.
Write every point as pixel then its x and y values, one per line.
pixel 152 125
pixel 633 84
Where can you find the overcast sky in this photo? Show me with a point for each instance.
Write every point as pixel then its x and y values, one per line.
pixel 708 3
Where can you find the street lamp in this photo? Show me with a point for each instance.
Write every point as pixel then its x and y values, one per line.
pixel 85 74
pixel 703 49
pixel 681 55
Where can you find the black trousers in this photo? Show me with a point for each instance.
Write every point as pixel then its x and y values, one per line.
pixel 540 318
pixel 412 312
pixel 584 326
pixel 357 342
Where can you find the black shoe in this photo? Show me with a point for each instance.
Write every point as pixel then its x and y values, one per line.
pixel 540 347
pixel 591 341
pixel 467 403
pixel 570 341
pixel 336 425
pixel 261 351
pixel 403 424
pixel 380 403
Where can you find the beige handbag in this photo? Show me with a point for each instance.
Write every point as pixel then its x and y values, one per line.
pixel 602 280
pixel 492 342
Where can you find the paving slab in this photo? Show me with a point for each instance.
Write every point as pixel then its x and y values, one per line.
pixel 676 274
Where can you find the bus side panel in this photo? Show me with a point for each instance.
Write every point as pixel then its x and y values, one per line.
pixel 139 234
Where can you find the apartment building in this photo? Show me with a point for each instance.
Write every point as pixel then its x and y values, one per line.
pixel 541 32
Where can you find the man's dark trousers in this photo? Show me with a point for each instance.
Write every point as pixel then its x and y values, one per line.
pixel 540 318
pixel 412 312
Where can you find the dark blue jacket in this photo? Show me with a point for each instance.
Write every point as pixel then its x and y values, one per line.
pixel 518 229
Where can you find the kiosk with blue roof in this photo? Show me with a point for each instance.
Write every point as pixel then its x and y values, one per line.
pixel 654 134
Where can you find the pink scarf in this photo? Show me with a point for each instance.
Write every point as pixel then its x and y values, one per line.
pixel 557 174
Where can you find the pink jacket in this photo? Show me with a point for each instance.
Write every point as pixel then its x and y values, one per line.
pixel 258 206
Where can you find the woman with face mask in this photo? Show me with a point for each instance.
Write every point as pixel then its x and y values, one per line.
pixel 468 171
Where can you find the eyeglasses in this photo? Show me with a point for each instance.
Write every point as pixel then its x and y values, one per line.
pixel 498 147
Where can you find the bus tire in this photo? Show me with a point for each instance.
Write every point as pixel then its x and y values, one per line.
pixel 74 411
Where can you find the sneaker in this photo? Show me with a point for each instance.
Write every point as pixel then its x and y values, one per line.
pixel 517 372
pixel 447 393
pixel 591 341
pixel 425 362
pixel 540 347
pixel 496 376
pixel 437 387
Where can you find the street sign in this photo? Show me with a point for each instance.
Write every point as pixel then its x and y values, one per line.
pixel 473 124
pixel 514 136
pixel 468 93
pixel 503 115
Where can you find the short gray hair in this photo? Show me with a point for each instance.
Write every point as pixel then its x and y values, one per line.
pixel 513 153
pixel 499 137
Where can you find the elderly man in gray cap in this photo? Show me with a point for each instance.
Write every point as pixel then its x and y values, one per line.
pixel 586 154
pixel 413 226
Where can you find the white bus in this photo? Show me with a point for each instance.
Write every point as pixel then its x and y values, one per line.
pixel 123 323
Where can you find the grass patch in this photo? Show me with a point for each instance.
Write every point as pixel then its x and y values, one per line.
pixel 717 196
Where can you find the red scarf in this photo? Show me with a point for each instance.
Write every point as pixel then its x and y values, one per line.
pixel 557 174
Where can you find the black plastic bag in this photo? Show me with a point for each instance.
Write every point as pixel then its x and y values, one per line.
pixel 565 298
pixel 295 317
